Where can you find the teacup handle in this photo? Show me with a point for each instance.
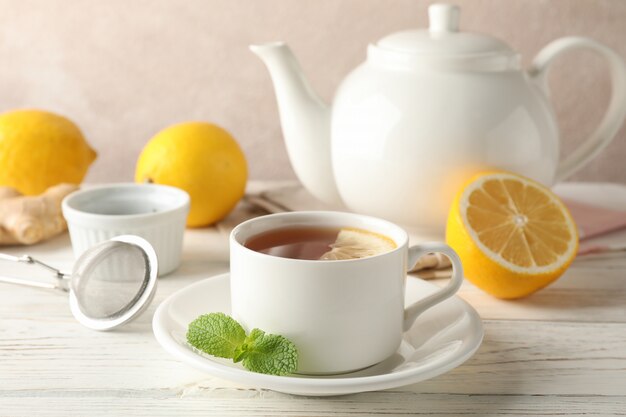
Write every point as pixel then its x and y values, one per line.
pixel 415 252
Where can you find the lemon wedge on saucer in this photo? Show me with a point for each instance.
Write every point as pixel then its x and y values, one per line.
pixel 356 243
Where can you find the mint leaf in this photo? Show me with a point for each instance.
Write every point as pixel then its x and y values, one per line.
pixel 220 335
pixel 267 354
pixel 216 334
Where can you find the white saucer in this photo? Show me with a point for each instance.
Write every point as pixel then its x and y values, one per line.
pixel 442 338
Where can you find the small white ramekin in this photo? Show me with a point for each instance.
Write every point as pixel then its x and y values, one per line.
pixel 157 213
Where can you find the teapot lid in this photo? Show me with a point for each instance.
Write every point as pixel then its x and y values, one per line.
pixel 442 46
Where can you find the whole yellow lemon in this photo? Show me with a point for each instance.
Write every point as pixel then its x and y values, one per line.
pixel 39 149
pixel 202 159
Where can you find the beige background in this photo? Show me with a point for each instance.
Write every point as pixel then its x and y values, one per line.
pixel 124 69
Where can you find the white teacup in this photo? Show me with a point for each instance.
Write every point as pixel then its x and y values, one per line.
pixel 341 315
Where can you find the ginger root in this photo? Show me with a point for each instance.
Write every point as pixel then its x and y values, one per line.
pixel 31 219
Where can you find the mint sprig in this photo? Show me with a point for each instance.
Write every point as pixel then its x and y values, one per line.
pixel 220 335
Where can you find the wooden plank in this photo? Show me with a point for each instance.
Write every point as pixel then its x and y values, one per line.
pixel 521 357
pixel 592 290
pixel 233 402
pixel 537 358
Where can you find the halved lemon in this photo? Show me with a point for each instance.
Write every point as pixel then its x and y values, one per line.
pixel 352 243
pixel 514 236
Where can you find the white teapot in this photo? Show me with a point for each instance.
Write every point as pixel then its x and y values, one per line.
pixel 427 109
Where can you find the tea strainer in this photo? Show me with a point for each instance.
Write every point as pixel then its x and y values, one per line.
pixel 111 283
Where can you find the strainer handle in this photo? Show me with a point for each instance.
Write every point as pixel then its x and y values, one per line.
pixel 60 277
pixel 28 282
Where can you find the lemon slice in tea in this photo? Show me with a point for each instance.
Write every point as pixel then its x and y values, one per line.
pixel 354 243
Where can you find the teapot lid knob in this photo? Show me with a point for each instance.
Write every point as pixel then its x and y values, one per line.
pixel 443 46
pixel 443 18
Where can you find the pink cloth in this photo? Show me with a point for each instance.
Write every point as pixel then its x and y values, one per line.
pixel 593 221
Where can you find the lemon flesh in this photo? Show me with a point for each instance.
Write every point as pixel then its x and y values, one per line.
pixel 513 235
pixel 39 149
pixel 356 243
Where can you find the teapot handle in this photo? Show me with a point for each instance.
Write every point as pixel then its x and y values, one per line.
pixel 615 112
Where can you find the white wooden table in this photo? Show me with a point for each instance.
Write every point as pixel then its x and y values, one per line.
pixel 559 352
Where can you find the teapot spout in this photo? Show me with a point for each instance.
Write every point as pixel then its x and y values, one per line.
pixel 305 121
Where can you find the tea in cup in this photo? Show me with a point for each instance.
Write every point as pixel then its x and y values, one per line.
pixel 332 283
